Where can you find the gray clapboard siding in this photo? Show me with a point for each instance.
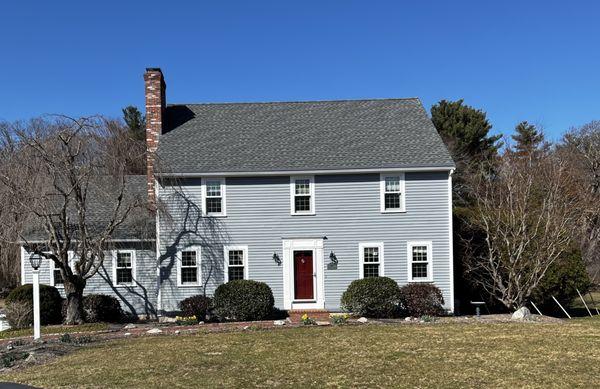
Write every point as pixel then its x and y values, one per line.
pixel 138 300
pixel 347 213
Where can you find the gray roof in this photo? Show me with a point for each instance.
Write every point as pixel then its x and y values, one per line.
pixel 100 203
pixel 290 136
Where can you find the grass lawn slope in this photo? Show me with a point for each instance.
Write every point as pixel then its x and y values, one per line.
pixel 422 355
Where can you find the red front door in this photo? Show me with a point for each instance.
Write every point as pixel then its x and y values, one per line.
pixel 303 275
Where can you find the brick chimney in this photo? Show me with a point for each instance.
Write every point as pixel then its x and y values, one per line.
pixel 155 111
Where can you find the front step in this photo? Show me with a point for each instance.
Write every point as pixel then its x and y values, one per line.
pixel 295 315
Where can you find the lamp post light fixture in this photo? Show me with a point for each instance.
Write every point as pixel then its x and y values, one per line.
pixel 36 261
pixel 276 259
pixel 333 258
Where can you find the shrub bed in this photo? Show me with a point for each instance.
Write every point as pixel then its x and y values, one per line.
pixel 19 306
pixel 243 300
pixel 421 300
pixel 198 306
pixel 372 297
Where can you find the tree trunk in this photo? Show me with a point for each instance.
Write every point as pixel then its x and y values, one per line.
pixel 74 291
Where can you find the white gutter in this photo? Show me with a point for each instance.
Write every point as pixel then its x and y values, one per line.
pixel 309 172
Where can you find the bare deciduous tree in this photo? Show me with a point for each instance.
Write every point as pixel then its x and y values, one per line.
pixel 524 215
pixel 69 184
pixel 581 148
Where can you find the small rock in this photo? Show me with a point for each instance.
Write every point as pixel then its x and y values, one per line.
pixel 9 347
pixel 245 327
pixel 200 322
pixel 522 314
pixel 362 320
pixel 130 326
pixel 127 334
pixel 323 323
pixel 279 323
pixel 167 319
pixel 30 358
pixel 177 332
pixel 154 331
pixel 408 318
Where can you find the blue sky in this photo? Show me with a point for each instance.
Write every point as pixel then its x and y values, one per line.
pixel 523 60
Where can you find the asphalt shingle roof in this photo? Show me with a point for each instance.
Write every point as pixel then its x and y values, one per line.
pixel 100 203
pixel 288 136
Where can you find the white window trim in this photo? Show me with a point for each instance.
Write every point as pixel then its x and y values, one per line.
pixel 361 255
pixel 53 267
pixel 198 251
pixel 311 184
pixel 226 250
pixel 133 269
pixel 223 212
pixel 382 177
pixel 409 247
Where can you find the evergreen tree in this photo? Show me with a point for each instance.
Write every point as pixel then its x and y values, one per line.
pixel 465 131
pixel 135 122
pixel 527 138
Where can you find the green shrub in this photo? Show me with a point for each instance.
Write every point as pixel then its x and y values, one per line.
pixel 421 300
pixel 50 304
pixel 372 297
pixel 562 280
pixel 101 308
pixel 243 300
pixel 197 305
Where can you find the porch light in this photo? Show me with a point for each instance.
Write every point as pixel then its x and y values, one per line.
pixel 35 260
pixel 333 258
pixel 276 259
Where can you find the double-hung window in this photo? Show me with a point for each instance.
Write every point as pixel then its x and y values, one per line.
pixel 188 266
pixel 371 259
pixel 419 261
pixel 214 197
pixel 302 199
pixel 392 192
pixel 124 267
pixel 236 262
pixel 57 278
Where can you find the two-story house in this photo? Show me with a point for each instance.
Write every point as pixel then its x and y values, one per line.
pixel 304 196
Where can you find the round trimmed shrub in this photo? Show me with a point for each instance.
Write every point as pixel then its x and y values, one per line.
pixel 243 300
pixel 422 300
pixel 372 297
pixel 22 296
pixel 197 305
pixel 101 308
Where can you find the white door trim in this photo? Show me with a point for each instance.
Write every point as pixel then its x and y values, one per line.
pixel 289 246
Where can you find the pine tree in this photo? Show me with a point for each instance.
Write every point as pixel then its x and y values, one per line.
pixel 465 131
pixel 528 138
pixel 135 122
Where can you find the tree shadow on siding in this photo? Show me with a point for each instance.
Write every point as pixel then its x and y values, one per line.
pixel 183 225
pixel 127 294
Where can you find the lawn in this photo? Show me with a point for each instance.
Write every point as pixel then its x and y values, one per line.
pixel 425 355
pixel 13 333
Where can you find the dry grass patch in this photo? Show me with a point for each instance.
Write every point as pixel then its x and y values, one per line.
pixel 47 330
pixel 428 355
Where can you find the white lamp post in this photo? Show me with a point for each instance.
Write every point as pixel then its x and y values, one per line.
pixel 36 261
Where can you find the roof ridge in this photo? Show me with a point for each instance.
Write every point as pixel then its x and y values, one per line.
pixel 298 101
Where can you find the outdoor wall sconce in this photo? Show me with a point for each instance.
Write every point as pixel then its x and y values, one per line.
pixel 333 258
pixel 276 259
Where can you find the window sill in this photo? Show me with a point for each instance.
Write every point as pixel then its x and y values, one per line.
pixel 394 211
pixel 190 286
pixel 420 281
pixel 126 286
pixel 303 214
pixel 215 215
